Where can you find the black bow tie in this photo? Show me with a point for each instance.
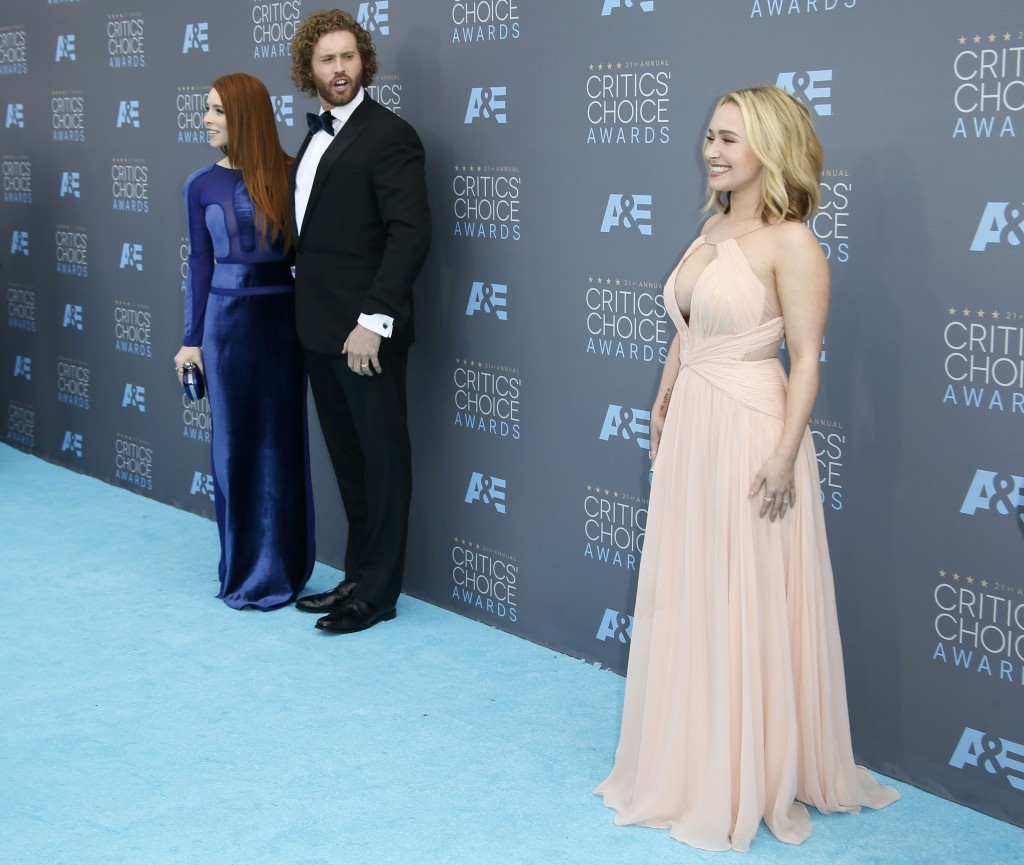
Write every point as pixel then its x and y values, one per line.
pixel 324 121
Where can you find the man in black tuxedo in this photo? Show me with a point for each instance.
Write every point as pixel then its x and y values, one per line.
pixel 362 229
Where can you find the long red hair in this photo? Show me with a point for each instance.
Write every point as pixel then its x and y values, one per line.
pixel 253 147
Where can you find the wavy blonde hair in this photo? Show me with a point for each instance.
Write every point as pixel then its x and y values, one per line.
pixel 781 135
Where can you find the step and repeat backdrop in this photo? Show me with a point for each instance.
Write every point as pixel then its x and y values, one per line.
pixel 563 144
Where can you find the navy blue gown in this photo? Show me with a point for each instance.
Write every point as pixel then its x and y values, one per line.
pixel 240 308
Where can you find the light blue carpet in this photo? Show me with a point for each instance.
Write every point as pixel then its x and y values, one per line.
pixel 145 722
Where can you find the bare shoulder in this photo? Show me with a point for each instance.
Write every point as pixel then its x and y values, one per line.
pixel 795 237
pixel 711 223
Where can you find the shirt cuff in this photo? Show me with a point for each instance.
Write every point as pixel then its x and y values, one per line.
pixel 379 323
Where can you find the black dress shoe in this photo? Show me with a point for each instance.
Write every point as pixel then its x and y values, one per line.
pixel 355 615
pixel 327 602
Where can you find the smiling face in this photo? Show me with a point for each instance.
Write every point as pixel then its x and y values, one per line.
pixel 215 120
pixel 731 163
pixel 337 68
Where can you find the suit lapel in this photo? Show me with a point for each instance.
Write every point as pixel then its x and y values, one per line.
pixel 291 183
pixel 352 129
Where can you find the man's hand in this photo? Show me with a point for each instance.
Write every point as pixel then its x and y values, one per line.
pixel 361 347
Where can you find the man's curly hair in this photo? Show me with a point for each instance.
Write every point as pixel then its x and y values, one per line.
pixel 309 33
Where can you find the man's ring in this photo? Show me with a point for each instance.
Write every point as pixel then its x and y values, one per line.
pixel 364 364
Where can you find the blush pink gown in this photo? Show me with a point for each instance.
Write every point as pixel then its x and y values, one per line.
pixel 735 706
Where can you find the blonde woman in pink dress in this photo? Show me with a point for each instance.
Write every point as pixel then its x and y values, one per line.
pixel 735 707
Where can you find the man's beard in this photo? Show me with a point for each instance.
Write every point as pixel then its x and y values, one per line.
pixel 327 96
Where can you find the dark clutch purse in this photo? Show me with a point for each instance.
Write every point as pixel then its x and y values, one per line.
pixel 193 382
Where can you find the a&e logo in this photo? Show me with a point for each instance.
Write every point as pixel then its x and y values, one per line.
pixel 70 184
pixel 999 757
pixel 615 626
pixel 73 443
pixel 811 87
pixel 373 17
pixel 196 38
pixel 993 491
pixel 23 367
pixel 631 424
pixel 131 256
pixel 611 5
pixel 1002 222
pixel 15 115
pixel 73 316
pixel 282 106
pixel 65 48
pixel 19 243
pixel 128 113
pixel 486 103
pixel 487 490
pixel 202 485
pixel 134 397
pixel 628 211
pixel 489 298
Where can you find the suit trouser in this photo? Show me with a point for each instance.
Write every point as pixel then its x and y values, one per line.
pixel 365 426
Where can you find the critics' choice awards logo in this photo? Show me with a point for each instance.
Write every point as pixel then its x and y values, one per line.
pixel 202 485
pixel 486 202
pixel 486 103
pixel 829 444
pixel 629 212
pixel 1001 224
pixel 626 319
pixel 487 398
pixel 979 623
pixel 614 527
pixel 197 38
pixel 995 493
pixel 71 250
pixel 273 26
pixel 13 54
pixel 784 8
pixel 133 462
pixel 22 367
pixel 73 317
pixel 988 72
pixel 133 329
pixel 21 424
pixel 484 579
pixel 609 6
pixel 72 443
pixel 129 185
pixel 70 185
pixel 14 116
pixel 68 110
pixel 21 308
pixel 17 172
pixel 484 21
pixel 615 626
pixel 984 359
pixel 628 102
pixel 1000 759
pixel 19 242
pixel 128 114
pixel 486 490
pixel 375 18
pixel 387 91
pixel 627 425
pixel 73 382
pixel 831 221
pixel 125 41
pixel 812 87
pixel 65 48
pixel 190 104
pixel 196 422
pixel 486 298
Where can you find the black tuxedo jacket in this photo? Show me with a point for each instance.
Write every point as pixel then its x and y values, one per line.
pixel 365 233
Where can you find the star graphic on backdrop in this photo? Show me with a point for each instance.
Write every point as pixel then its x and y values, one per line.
pixel 607 492
pixel 608 280
pixel 591 67
pixel 984 584
pixel 618 65
pixel 589 488
pixel 967 313
pixel 980 313
pixel 970 580
pixel 599 67
pixel 956 576
pixel 616 494
pixel 991 37
pixel 1006 37
pixel 995 314
pixel 963 40
pixel 599 281
pixel 952 310
pixel 618 282
pixel 590 279
pixel 942 574
pixel 977 39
